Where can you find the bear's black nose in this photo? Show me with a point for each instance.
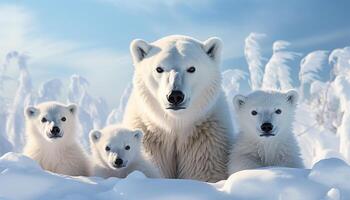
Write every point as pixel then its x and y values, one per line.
pixel 118 162
pixel 55 130
pixel 176 97
pixel 266 127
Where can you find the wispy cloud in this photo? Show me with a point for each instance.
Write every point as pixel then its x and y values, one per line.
pixel 150 6
pixel 15 23
pixel 318 39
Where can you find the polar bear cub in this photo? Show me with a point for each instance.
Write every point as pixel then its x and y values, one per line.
pixel 266 138
pixel 118 151
pixel 52 139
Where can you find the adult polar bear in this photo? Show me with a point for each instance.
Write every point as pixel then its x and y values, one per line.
pixel 178 102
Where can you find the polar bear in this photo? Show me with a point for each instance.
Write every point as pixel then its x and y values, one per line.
pixel 52 139
pixel 178 102
pixel 118 151
pixel 266 138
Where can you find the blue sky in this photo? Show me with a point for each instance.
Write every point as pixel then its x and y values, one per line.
pixel 91 37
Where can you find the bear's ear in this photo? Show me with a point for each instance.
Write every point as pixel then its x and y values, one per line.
pixel 138 134
pixel 139 50
pixel 239 101
pixel 95 136
pixel 292 97
pixel 31 111
pixel 72 108
pixel 212 48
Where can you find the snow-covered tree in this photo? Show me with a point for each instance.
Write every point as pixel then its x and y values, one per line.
pixel 93 111
pixel 252 52
pixel 325 105
pixel 277 71
pixel 116 115
pixel 332 107
pixel 310 66
pixel 3 76
pixel 231 81
pixel 339 59
pixel 5 145
pixel 15 120
pixel 50 90
pixel 342 85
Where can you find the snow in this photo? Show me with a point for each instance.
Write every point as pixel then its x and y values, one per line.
pixel 322 129
pixel 22 178
pixel 50 91
pixel 117 114
pixel 15 120
pixel 254 59
pixel 231 81
pixel 277 71
pixel 339 58
pixel 310 66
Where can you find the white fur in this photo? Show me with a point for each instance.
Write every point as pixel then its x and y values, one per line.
pixel 192 143
pixel 117 138
pixel 62 155
pixel 250 149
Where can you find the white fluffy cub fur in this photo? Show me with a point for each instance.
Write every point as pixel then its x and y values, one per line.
pixel 266 138
pixel 117 151
pixel 52 139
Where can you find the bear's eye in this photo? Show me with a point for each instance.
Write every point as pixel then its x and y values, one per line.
pixel 127 147
pixel 254 113
pixel 63 119
pixel 108 148
pixel 43 120
pixel 191 69
pixel 159 70
pixel 278 111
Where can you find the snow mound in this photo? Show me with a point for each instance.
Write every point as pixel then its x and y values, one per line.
pixel 22 178
pixel 333 173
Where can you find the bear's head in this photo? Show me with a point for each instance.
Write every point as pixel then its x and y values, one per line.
pixel 52 121
pixel 178 77
pixel 266 113
pixel 115 147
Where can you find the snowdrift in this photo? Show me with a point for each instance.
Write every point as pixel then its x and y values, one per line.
pixel 22 178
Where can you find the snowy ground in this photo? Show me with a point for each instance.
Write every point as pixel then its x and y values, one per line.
pixel 21 178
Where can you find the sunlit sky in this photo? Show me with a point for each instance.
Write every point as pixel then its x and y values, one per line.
pixel 92 37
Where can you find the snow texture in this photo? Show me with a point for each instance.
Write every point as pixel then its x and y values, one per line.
pixel 277 70
pixel 310 67
pixel 254 59
pixel 22 178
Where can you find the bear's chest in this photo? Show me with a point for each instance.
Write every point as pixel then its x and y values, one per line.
pixel 270 154
pixel 201 153
pixel 162 148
